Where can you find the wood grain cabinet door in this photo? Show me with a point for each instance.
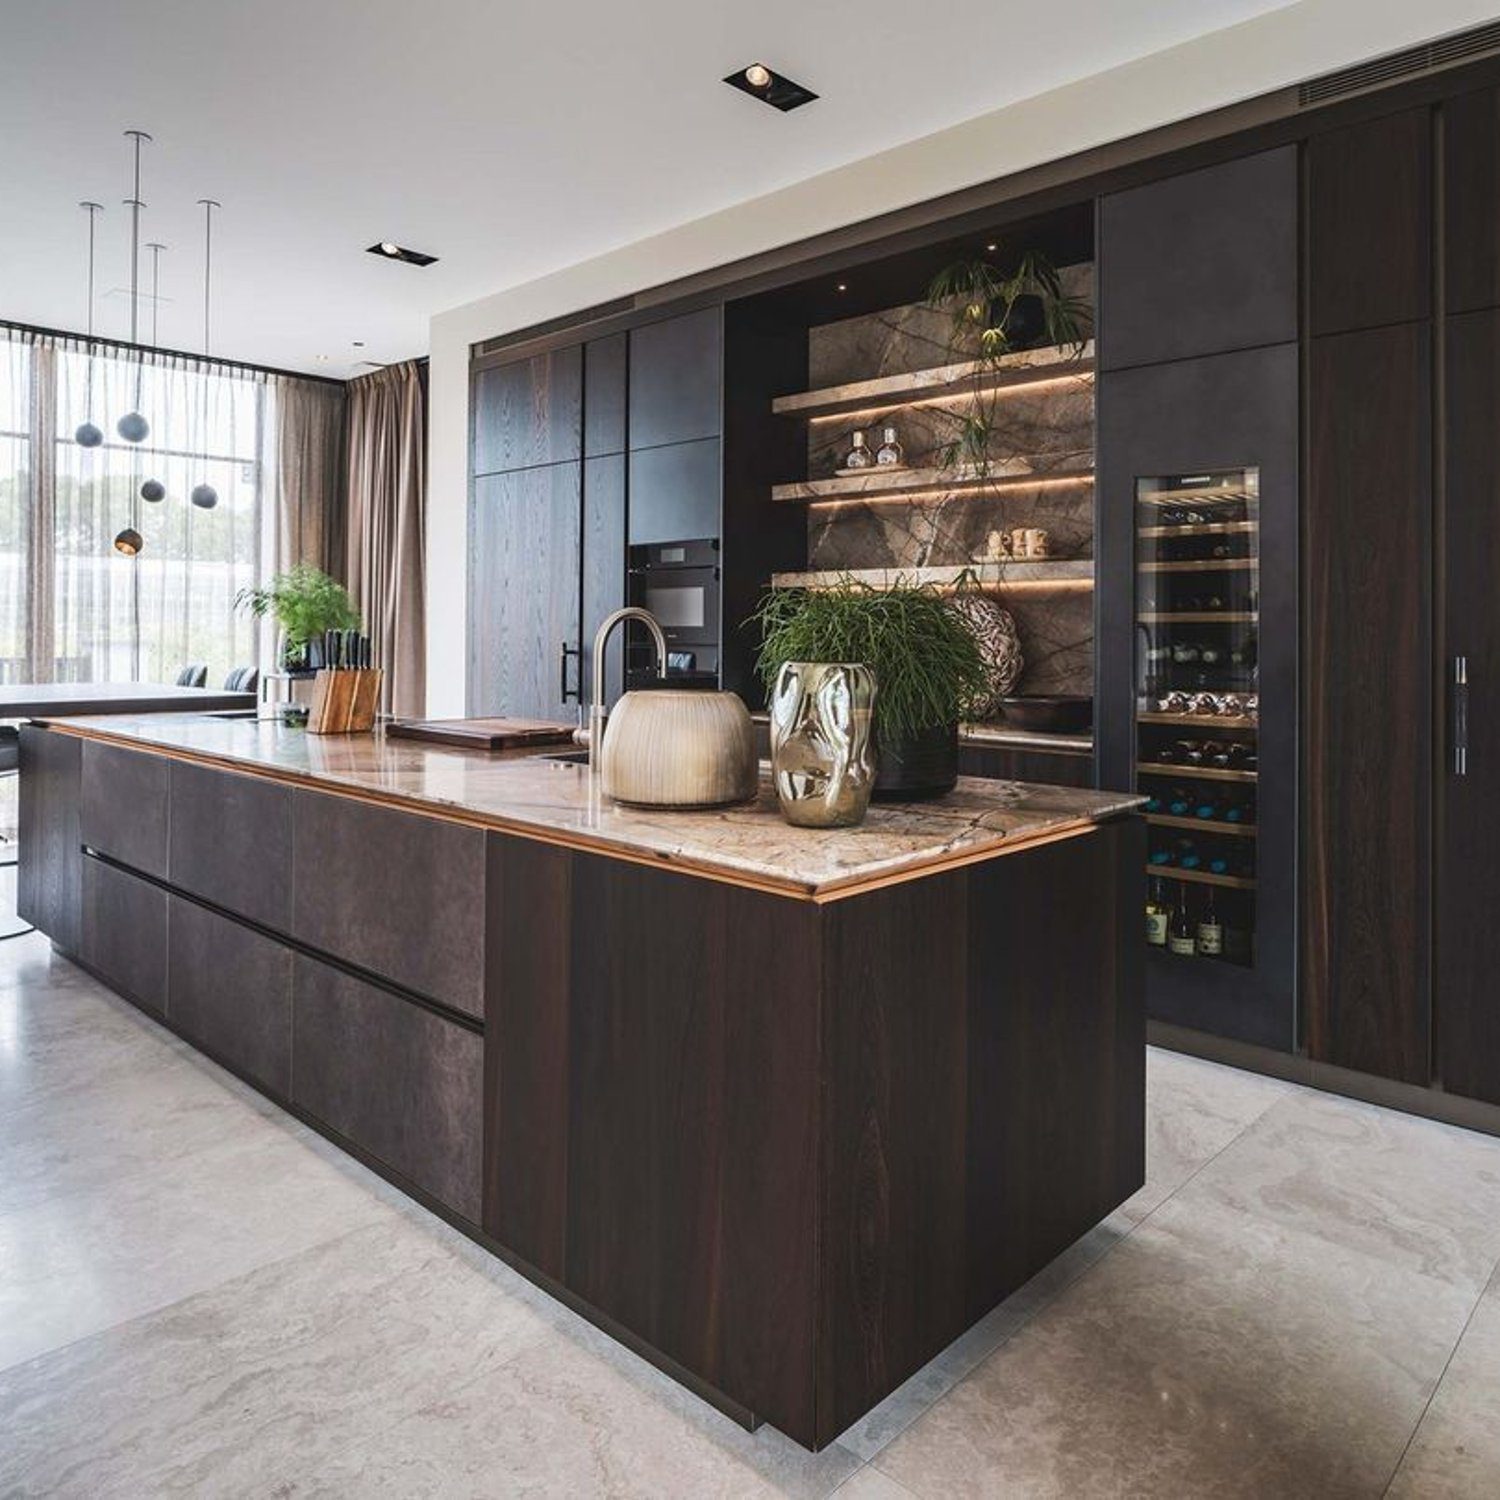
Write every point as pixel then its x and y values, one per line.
pixel 1468 846
pixel 49 877
pixel 231 842
pixel 1367 648
pixel 397 1080
pixel 1200 263
pixel 123 812
pixel 125 934
pixel 529 412
pixel 1471 198
pixel 229 989
pixel 395 893
pixel 524 593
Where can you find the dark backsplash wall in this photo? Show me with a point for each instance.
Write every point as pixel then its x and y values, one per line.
pixel 1052 424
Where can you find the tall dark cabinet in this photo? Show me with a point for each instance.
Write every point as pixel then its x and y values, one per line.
pixel 1197 538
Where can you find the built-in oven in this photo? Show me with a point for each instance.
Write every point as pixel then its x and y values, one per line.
pixel 678 582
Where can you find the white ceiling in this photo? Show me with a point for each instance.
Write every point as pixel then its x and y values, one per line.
pixel 508 138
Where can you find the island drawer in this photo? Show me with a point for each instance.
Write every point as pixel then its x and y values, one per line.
pixel 393 1077
pixel 231 842
pixel 229 988
pixel 398 894
pixel 125 933
pixel 123 806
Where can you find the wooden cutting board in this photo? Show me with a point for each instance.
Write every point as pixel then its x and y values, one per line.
pixel 483 734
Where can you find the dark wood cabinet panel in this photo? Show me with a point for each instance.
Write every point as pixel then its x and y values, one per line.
pixel 1367 670
pixel 1471 198
pixel 1468 844
pixel 604 392
pixel 603 568
pixel 1200 263
pixel 125 933
pixel 528 413
pixel 945 1056
pixel 652 1055
pixel 229 989
pixel 395 893
pixel 123 812
pixel 49 877
pixel 676 378
pixel 1014 763
pixel 1369 197
pixel 525 534
pixel 397 1080
pixel 210 808
pixel 674 492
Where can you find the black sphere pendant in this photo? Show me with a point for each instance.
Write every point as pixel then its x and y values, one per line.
pixel 133 427
pixel 153 490
pixel 204 496
pixel 87 435
pixel 129 542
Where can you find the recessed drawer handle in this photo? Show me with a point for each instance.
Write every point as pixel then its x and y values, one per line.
pixel 1460 715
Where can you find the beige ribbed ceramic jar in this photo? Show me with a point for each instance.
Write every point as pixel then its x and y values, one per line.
pixel 682 749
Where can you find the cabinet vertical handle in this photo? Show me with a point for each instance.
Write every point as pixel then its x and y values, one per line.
pixel 1460 715
pixel 563 691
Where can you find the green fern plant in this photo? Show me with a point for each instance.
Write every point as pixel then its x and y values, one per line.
pixel 304 601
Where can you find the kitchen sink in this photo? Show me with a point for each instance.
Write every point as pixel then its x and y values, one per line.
pixel 569 757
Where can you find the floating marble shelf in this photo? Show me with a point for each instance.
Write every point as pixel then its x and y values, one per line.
pixel 1027 367
pixel 1054 572
pixel 1022 473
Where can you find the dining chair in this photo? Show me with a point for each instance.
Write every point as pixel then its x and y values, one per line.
pixel 194 674
pixel 242 680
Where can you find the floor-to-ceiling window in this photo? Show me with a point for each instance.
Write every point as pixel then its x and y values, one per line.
pixel 73 608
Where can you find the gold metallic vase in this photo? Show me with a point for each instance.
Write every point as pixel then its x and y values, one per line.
pixel 821 761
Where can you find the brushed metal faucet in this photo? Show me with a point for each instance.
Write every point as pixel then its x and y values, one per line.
pixel 596 686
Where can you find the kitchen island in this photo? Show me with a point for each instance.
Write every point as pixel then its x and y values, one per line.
pixel 786 1110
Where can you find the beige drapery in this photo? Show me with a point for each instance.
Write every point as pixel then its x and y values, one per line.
pixel 387 499
pixel 310 470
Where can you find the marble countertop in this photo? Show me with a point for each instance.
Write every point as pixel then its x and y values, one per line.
pixel 523 792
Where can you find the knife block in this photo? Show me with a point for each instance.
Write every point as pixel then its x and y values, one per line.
pixel 344 700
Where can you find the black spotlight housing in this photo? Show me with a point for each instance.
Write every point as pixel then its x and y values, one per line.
pixel 390 250
pixel 770 87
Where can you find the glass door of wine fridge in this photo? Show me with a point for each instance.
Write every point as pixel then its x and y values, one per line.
pixel 1198 707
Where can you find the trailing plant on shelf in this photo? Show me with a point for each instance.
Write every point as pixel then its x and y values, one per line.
pixel 305 602
pixel 991 314
pixel 928 668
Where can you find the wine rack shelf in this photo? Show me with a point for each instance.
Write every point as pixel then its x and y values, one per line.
pixel 1200 721
pixel 1198 617
pixel 1205 565
pixel 1201 528
pixel 1202 877
pixel 1200 494
pixel 1203 825
pixel 1193 773
pixel 1012 372
pixel 1015 473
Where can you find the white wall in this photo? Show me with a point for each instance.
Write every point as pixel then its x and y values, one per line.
pixel 1283 47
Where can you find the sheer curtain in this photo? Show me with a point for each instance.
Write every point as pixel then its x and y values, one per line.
pixel 387 524
pixel 81 610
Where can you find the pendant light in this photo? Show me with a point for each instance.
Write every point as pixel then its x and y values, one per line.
pixel 205 496
pixel 128 543
pixel 133 427
pixel 86 434
pixel 154 490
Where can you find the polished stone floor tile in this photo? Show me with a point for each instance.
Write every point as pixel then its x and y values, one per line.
pixel 1212 1353
pixel 262 1380
pixel 78 1263
pixel 1456 1450
pixel 871 1484
pixel 1420 1194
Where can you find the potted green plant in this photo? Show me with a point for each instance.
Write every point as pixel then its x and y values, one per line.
pixel 928 670
pixel 993 313
pixel 305 602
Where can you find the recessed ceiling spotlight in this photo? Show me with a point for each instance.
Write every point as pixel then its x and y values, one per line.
pixel 843 286
pixel 761 82
pixel 359 343
pixel 992 248
pixel 390 250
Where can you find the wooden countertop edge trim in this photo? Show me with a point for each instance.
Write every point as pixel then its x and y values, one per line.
pixel 820 895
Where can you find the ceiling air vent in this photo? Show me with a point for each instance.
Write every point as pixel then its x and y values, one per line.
pixel 1380 71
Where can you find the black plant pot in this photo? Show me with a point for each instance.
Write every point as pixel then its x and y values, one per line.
pixel 911 767
pixel 1024 325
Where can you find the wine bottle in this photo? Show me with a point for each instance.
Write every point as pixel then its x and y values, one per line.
pixel 1180 938
pixel 1210 930
pixel 1158 915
